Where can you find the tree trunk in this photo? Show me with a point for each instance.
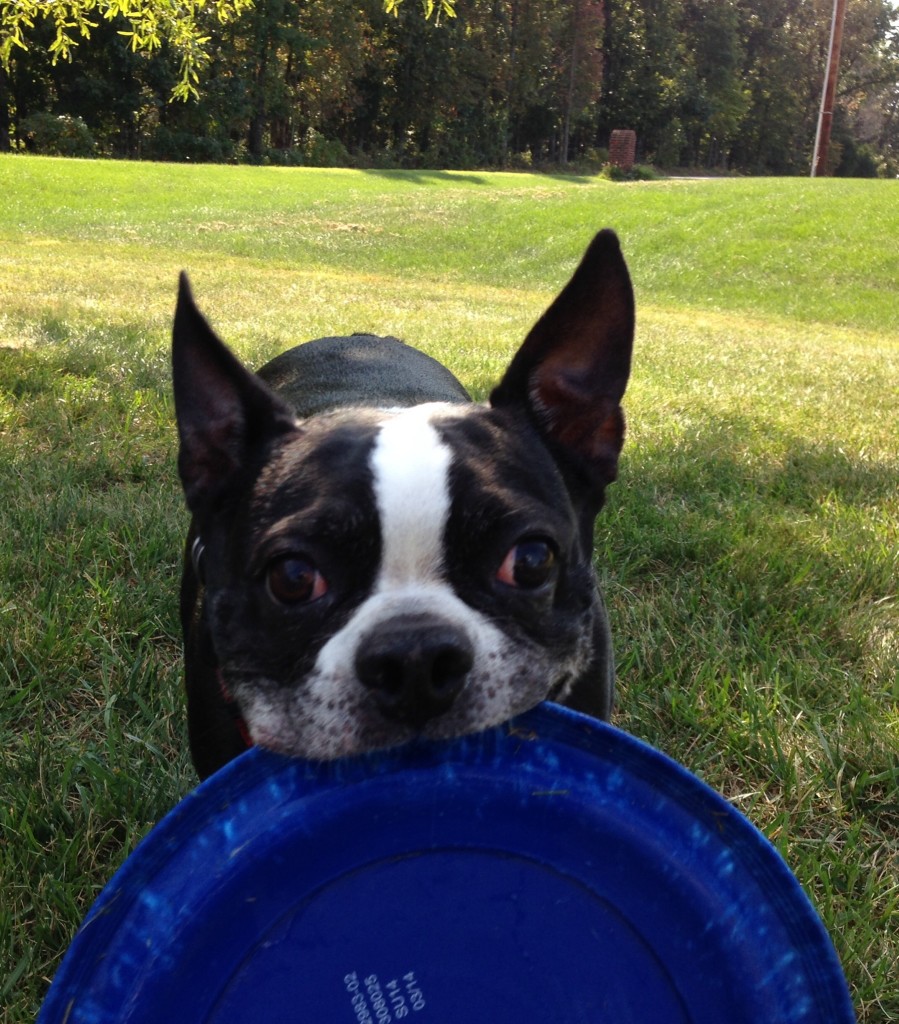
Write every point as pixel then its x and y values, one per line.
pixel 5 113
pixel 572 80
pixel 259 117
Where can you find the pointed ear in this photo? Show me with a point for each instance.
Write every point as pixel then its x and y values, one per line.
pixel 571 371
pixel 224 412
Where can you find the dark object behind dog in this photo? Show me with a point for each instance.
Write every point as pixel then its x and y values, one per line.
pixel 372 556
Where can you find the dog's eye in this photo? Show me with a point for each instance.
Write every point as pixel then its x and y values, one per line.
pixel 295 580
pixel 529 565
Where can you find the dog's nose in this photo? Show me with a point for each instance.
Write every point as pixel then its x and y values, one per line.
pixel 415 666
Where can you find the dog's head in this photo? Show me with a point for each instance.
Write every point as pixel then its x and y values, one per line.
pixel 372 574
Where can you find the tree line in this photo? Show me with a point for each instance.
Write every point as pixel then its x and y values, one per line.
pixel 730 84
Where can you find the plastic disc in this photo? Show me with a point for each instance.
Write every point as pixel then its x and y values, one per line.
pixel 554 869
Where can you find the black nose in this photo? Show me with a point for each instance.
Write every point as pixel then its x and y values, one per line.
pixel 415 666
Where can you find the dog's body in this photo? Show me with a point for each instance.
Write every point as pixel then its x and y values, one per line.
pixel 374 557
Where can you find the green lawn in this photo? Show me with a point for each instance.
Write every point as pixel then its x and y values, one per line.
pixel 750 551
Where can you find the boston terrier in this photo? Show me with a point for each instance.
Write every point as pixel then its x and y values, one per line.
pixel 373 556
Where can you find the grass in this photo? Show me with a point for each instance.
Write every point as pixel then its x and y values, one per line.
pixel 750 552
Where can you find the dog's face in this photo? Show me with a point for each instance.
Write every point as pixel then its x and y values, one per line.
pixel 370 575
pixel 416 571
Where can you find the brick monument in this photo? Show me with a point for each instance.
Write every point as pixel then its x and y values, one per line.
pixel 623 148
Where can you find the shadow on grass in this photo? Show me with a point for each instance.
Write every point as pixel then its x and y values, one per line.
pixel 130 354
pixel 786 551
pixel 431 177
pixel 427 177
pixel 740 457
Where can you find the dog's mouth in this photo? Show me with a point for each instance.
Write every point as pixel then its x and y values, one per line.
pixel 437 682
pixel 312 732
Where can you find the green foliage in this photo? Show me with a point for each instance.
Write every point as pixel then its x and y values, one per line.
pixel 854 161
pixel 321 152
pixel 639 172
pixel 430 8
pixel 147 25
pixel 184 145
pixel 58 135
pixel 710 84
pixel 505 84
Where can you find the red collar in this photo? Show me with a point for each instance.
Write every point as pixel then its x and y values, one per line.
pixel 238 718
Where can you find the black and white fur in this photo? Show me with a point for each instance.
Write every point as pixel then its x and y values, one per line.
pixel 374 557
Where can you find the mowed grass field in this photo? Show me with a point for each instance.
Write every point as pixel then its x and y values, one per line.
pixel 749 551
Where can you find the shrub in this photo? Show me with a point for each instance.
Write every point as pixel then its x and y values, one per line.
pixel 57 135
pixel 292 156
pixel 181 144
pixel 639 172
pixel 856 160
pixel 591 161
pixel 322 152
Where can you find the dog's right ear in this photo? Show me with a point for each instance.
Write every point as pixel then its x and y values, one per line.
pixel 224 412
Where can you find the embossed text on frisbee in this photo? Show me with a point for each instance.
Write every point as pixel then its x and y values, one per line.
pixel 378 1002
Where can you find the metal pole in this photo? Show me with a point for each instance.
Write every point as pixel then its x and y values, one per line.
pixel 828 93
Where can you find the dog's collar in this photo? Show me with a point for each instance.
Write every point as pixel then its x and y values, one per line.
pixel 238 718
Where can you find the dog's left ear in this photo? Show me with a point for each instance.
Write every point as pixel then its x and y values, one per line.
pixel 571 371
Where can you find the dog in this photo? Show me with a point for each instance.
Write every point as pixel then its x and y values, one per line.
pixel 372 556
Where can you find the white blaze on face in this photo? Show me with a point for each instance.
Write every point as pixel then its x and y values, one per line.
pixel 410 465
pixel 411 482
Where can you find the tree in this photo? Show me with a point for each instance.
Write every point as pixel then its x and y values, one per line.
pixel 785 47
pixel 148 24
pixel 644 60
pixel 584 71
pixel 715 97
pixel 521 82
pixel 865 136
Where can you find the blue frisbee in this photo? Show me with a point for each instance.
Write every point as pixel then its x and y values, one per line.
pixel 551 871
